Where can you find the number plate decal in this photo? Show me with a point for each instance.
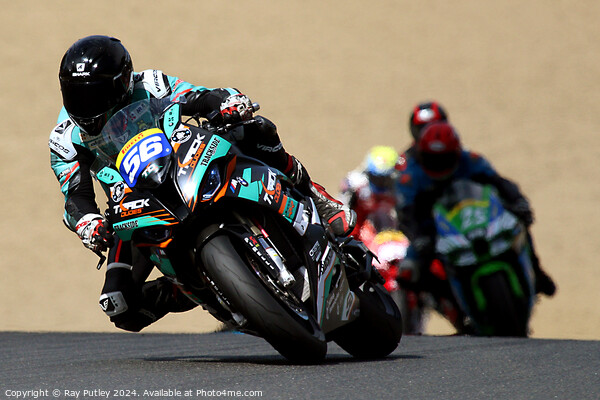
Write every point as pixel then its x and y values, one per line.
pixel 139 151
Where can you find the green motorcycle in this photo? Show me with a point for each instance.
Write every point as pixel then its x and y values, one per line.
pixel 486 255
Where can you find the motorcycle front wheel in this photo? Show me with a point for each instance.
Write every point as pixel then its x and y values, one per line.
pixel 284 325
pixel 506 314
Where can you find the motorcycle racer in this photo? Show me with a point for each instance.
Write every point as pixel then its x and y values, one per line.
pixel 370 188
pixel 422 114
pixel 440 159
pixel 97 79
pixel 360 189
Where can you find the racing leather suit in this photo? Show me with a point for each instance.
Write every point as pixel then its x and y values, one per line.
pixel 368 202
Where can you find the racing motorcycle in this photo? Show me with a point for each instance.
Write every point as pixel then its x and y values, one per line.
pixel 389 245
pixel 237 238
pixel 487 260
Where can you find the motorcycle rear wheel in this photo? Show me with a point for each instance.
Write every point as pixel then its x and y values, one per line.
pixel 292 336
pixel 378 329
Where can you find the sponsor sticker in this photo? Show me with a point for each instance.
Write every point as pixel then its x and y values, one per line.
pixel 117 192
pixel 181 135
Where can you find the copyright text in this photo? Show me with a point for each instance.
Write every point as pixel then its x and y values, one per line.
pixel 127 393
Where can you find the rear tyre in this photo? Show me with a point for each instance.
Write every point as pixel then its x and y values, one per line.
pixel 378 329
pixel 296 338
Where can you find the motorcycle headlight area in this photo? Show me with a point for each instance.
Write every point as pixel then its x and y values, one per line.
pixel 499 236
pixel 457 249
pixel 211 184
pixel 501 233
pixel 152 235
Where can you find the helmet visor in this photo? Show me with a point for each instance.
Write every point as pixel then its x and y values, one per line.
pixel 439 165
pixel 90 99
pixel 380 183
pixel 90 104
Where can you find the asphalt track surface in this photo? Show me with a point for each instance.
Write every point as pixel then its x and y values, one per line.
pixel 229 365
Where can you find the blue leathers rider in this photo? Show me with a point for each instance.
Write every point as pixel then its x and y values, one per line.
pixel 97 79
pixel 439 158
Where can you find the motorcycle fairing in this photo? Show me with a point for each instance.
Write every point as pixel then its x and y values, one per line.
pixel 207 172
pixel 524 257
pixel 459 224
pixel 463 217
pixel 162 261
pixel 194 158
pixel 108 177
pixel 263 185
pixel 171 119
pixel 131 210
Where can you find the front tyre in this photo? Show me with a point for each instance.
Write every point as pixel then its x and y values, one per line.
pixel 378 329
pixel 294 337
pixel 506 314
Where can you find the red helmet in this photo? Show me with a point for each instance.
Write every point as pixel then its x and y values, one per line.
pixel 423 114
pixel 439 150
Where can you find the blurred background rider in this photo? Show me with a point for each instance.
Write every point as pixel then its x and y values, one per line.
pixel 439 158
pixel 370 189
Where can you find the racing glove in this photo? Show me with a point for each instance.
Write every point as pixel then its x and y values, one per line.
pixel 236 108
pixel 92 229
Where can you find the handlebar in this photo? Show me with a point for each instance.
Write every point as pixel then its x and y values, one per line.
pixel 102 259
pixel 214 125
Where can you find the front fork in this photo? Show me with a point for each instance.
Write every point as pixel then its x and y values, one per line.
pixel 257 241
pixel 261 244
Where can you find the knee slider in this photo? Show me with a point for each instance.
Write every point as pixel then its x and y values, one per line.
pixel 113 303
pixel 118 283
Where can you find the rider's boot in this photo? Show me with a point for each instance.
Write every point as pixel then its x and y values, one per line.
pixel 340 218
pixel 161 296
pixel 131 307
pixel 543 283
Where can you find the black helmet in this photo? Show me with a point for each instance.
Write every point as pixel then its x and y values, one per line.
pixel 423 114
pixel 96 79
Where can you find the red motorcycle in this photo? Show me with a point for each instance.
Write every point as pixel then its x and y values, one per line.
pixel 389 246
